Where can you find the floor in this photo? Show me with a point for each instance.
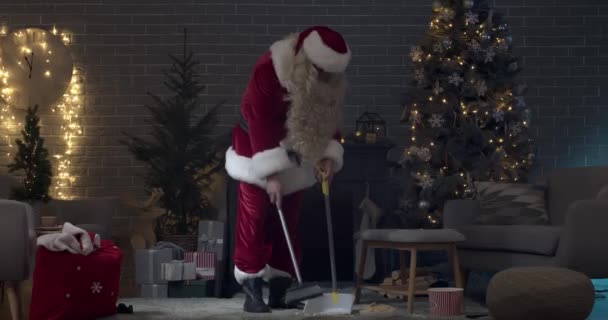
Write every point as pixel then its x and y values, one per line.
pixel 231 309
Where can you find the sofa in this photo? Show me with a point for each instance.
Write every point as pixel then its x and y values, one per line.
pixel 577 205
pixel 92 214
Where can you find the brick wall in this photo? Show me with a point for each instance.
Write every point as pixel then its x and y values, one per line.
pixel 122 46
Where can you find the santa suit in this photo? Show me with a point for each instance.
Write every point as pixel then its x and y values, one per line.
pixel 258 151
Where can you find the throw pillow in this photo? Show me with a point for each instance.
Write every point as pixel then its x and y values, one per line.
pixel 511 203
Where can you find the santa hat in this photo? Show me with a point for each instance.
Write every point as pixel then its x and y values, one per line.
pixel 325 47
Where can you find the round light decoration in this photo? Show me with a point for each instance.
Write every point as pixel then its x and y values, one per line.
pixel 38 66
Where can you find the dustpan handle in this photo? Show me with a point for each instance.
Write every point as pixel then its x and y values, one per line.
pixel 289 246
pixel 330 234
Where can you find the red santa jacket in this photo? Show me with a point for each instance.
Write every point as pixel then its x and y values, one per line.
pixel 258 152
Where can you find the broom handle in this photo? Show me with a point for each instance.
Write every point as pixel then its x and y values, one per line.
pixel 330 235
pixel 291 252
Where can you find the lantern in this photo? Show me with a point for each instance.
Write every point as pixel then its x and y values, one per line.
pixel 370 127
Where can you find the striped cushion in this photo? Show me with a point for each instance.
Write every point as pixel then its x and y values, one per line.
pixel 511 203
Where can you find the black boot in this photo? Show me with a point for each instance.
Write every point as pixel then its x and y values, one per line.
pixel 278 288
pixel 254 301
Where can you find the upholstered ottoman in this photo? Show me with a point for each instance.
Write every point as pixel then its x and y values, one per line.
pixel 540 293
pixel 412 240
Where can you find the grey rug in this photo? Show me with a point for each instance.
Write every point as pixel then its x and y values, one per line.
pixel 231 309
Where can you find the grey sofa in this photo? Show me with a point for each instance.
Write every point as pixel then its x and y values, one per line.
pixel 94 214
pixel 577 203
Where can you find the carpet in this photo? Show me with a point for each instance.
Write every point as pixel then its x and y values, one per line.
pixel 231 309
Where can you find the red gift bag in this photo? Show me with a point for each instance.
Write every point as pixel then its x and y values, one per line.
pixel 205 263
pixel 76 287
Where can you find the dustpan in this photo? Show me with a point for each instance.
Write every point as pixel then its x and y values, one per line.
pixel 334 302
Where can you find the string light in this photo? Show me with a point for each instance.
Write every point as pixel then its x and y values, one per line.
pixel 69 107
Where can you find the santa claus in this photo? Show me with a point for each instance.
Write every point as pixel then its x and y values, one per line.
pixel 287 139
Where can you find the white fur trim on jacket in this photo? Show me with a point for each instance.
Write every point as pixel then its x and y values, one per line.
pixel 266 274
pixel 241 276
pixel 292 179
pixel 335 152
pixel 323 56
pixel 270 161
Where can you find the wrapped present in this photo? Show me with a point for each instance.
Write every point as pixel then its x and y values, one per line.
pixel 205 264
pixel 153 290
pixel 178 271
pixel 191 289
pixel 72 285
pixel 211 237
pixel 148 264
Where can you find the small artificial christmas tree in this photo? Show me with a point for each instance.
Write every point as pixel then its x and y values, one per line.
pixel 181 155
pixel 465 113
pixel 32 158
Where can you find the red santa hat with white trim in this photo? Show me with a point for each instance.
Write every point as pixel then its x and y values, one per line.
pixel 325 48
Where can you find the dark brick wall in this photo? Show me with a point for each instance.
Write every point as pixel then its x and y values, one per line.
pixel 122 46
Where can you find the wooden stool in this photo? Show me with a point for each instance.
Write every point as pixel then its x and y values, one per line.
pixel 412 240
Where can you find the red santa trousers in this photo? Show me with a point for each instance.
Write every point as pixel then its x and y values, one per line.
pixel 261 249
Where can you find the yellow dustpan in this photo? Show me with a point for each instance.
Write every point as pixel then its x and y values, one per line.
pixel 333 303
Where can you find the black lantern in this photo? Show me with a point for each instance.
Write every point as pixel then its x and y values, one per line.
pixel 370 127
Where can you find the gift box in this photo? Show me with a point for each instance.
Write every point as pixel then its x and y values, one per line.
pixel 148 265
pixel 153 290
pixel 178 271
pixel 76 286
pixel 191 289
pixel 205 264
pixel 211 237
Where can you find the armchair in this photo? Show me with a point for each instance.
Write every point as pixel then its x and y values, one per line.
pixel 577 205
pixel 17 254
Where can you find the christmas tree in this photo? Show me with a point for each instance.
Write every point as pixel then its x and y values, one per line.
pixel 465 112
pixel 181 155
pixel 32 158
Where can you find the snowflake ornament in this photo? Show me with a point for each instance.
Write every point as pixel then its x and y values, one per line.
pixel 513 66
pixel 424 154
pixel 96 287
pixel 447 42
pixel 437 89
pixel 436 120
pixel 438 47
pixel 471 18
pixel 404 203
pixel 416 54
pixel 475 46
pixel 455 79
pixel 516 128
pixel 521 102
pixel 489 55
pixel 481 88
pixel 419 75
pixel 499 116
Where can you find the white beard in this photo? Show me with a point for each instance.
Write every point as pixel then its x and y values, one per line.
pixel 315 110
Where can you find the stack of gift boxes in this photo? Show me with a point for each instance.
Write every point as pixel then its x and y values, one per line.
pixel 166 270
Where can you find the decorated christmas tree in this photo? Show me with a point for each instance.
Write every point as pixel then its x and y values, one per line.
pixel 32 159
pixel 181 153
pixel 465 112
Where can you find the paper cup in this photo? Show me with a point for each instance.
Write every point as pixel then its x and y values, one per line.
pixel 446 302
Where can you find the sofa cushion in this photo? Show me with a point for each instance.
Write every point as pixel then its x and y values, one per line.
pixel 511 203
pixel 541 240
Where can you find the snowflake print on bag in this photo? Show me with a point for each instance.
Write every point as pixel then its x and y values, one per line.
pixel 96 287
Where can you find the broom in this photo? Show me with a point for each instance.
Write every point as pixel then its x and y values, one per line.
pixel 301 292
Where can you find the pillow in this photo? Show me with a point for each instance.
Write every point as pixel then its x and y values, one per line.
pixel 511 203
